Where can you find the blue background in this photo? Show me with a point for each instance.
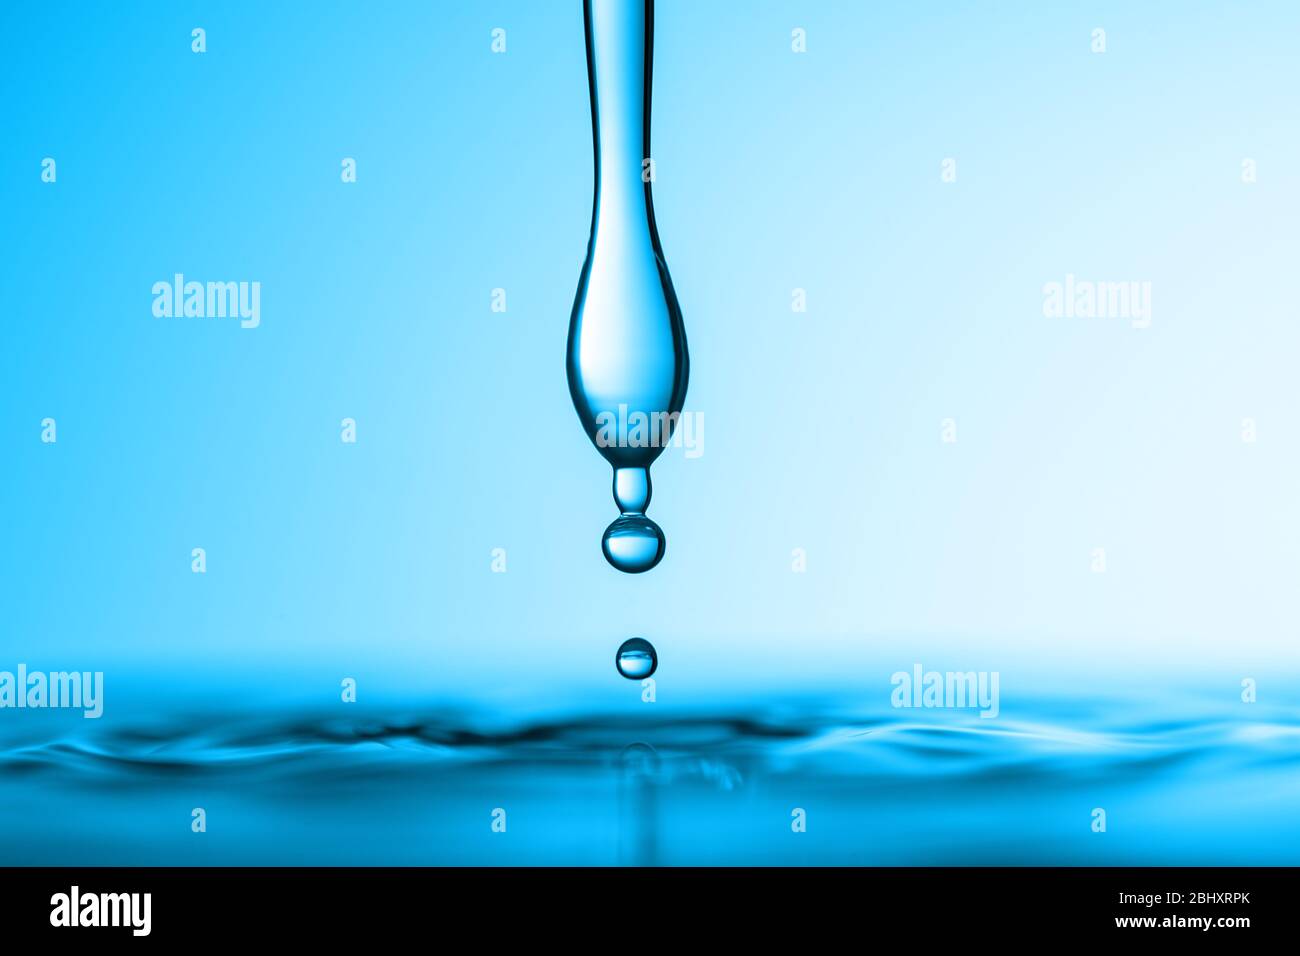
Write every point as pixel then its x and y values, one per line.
pixel 775 171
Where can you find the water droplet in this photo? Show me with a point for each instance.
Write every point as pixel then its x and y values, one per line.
pixel 627 359
pixel 636 658
pixel 633 543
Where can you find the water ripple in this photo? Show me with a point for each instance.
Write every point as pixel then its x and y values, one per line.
pixel 888 745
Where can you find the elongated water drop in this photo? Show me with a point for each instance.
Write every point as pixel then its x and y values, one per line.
pixel 636 658
pixel 627 360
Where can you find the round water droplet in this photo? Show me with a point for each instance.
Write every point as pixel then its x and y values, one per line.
pixel 633 543
pixel 636 658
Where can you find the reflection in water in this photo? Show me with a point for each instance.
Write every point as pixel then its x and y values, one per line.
pixel 639 764
pixel 898 787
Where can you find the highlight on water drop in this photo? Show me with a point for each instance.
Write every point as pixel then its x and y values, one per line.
pixel 636 659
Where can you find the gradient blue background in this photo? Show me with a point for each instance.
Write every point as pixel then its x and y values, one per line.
pixel 822 430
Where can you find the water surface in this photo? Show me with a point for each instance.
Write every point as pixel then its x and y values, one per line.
pixel 887 787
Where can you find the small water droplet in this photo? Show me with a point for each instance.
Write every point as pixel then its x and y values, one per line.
pixel 633 543
pixel 636 659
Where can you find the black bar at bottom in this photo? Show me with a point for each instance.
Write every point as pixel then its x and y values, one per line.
pixel 1225 904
